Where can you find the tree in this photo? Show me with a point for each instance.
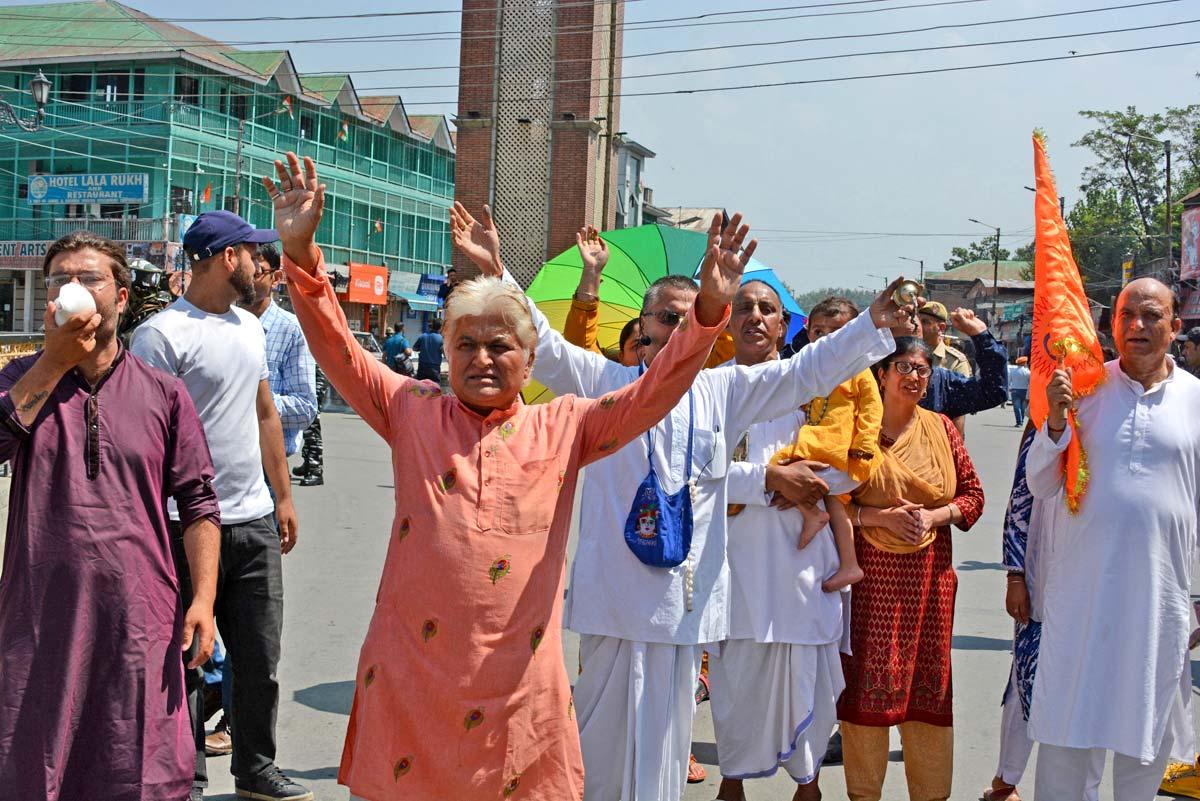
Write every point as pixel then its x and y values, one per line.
pixel 983 250
pixel 1025 253
pixel 1104 229
pixel 1130 161
pixel 861 297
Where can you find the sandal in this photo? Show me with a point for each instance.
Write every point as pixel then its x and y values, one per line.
pixel 1008 793
pixel 696 771
pixel 702 693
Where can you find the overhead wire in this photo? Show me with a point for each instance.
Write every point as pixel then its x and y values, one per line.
pixel 443 36
pixel 752 65
pixel 724 46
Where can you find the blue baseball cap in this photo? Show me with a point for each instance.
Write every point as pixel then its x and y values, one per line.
pixel 213 231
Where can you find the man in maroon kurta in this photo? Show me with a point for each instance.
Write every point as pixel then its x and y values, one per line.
pixel 92 703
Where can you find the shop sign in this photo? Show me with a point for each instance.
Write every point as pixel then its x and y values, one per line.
pixel 118 187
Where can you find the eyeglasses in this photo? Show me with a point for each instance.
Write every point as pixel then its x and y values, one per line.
pixel 89 280
pixel 907 368
pixel 665 316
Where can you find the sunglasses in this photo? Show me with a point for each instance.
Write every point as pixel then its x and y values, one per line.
pixel 668 318
pixel 908 368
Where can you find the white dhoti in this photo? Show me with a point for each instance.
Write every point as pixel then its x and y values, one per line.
pixel 774 705
pixel 634 703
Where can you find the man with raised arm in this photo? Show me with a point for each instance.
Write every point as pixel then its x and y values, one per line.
pixel 650 582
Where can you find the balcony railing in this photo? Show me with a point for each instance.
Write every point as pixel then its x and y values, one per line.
pixel 45 228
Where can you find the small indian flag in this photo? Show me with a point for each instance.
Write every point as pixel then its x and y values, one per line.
pixel 379 226
pixel 344 132
pixel 286 107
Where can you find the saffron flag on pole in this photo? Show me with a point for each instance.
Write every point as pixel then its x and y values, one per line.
pixel 207 197
pixel 344 132
pixel 1063 332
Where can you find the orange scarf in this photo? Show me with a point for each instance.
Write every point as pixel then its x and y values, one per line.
pixel 920 469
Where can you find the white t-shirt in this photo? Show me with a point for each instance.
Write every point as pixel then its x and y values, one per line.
pixel 221 358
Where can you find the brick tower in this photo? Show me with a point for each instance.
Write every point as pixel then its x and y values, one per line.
pixel 537 107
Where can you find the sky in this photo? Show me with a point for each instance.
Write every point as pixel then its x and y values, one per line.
pixel 837 179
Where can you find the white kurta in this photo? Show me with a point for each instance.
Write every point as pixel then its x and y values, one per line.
pixel 1116 576
pixel 775 587
pixel 612 593
pixel 776 679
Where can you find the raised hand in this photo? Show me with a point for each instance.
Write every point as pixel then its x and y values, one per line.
pixel 299 201
pixel 966 321
pixel 593 251
pixel 886 313
pixel 478 240
pixel 725 261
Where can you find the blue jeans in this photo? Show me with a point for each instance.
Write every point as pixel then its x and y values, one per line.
pixel 1020 402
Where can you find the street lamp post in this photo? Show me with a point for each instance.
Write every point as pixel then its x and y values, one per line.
pixel 995 265
pixel 1062 203
pixel 883 278
pixel 921 262
pixel 39 89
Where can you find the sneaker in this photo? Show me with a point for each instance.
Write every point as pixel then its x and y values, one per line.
pixel 312 480
pixel 219 743
pixel 272 785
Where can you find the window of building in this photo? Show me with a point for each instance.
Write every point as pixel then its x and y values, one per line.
pixel 238 106
pixel 187 89
pixel 139 83
pixel 115 211
pixel 115 86
pixel 181 200
pixel 76 88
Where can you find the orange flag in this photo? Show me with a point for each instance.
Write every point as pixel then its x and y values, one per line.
pixel 207 193
pixel 1063 332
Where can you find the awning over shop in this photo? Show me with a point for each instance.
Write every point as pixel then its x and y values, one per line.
pixel 415 301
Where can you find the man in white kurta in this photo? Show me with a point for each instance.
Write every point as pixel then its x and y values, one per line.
pixel 643 627
pixel 1117 574
pixel 776 679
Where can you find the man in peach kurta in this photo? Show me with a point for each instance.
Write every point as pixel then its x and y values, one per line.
pixel 460 691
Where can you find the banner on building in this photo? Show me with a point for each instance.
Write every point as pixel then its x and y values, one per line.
pixel 109 188
pixel 1189 267
pixel 368 284
pixel 1191 305
pixel 1127 271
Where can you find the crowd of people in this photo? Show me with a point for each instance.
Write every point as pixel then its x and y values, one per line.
pixel 740 491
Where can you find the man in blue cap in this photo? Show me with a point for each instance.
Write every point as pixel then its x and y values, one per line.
pixel 219 352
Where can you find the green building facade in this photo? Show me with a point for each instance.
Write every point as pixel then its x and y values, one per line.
pixel 165 114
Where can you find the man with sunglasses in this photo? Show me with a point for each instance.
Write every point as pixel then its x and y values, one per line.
pixel 92 621
pixel 219 351
pixel 643 627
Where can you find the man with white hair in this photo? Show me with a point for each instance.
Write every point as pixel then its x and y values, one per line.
pixel 645 607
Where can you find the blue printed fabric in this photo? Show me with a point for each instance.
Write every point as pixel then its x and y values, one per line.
pixel 1027 637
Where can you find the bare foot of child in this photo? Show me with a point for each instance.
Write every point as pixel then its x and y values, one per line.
pixel 815 519
pixel 843 578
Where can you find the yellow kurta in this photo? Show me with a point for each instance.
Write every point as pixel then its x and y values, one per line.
pixel 843 429
pixel 460 691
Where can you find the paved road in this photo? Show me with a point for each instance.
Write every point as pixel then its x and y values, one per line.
pixel 332 575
